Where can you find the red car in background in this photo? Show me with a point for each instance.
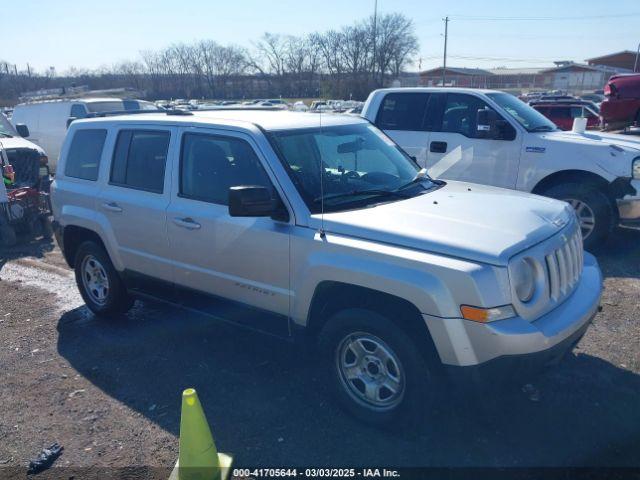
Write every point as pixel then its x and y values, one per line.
pixel 621 106
pixel 563 113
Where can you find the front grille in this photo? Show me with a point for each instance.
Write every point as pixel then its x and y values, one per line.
pixel 559 264
pixel 26 164
pixel 564 267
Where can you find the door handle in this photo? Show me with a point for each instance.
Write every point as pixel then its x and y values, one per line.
pixel 438 147
pixel 187 222
pixel 112 207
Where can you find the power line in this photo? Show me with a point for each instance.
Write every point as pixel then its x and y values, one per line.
pixel 563 18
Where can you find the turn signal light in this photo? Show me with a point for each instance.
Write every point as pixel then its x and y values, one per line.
pixel 483 315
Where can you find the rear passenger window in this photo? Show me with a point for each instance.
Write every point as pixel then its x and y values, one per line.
pixel 402 111
pixel 83 159
pixel 139 159
pixel 210 165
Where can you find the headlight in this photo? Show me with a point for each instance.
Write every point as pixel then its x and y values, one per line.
pixel 635 169
pixel 524 280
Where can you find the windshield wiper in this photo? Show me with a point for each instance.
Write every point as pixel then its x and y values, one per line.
pixel 357 193
pixel 6 135
pixel 420 177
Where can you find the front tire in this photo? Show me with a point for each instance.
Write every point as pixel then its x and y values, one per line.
pixel 374 369
pixel 98 281
pixel 593 209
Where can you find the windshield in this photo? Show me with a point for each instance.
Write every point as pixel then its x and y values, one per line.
pixel 525 115
pixel 6 129
pixel 99 107
pixel 361 166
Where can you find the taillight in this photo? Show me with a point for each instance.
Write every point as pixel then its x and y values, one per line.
pixel 44 160
pixel 610 90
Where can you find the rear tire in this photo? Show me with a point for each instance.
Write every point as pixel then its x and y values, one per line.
pixel 98 281
pixel 375 370
pixel 593 208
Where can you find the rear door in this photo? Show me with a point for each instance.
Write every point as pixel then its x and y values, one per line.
pixel 242 259
pixel 456 149
pixel 401 116
pixel 136 196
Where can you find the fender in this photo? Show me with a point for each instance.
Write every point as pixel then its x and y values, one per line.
pixel 423 279
pixel 96 222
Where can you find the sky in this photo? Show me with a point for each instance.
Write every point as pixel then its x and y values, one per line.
pixel 482 34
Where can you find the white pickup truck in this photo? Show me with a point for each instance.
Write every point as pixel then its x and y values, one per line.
pixel 491 137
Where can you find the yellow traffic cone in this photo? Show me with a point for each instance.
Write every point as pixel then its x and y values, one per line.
pixel 198 458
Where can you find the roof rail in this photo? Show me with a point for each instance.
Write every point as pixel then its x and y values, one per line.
pixel 239 107
pixel 116 113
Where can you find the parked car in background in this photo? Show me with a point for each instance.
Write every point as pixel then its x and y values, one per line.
pixel 48 120
pixel 15 143
pixel 563 113
pixel 133 104
pixel 596 98
pixel 621 106
pixel 491 137
pixel 320 228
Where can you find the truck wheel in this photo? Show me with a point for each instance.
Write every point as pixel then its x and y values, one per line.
pixel 375 370
pixel 99 282
pixel 7 236
pixel 593 209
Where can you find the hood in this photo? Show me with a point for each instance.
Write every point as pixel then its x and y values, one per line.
pixel 628 142
pixel 474 222
pixel 18 142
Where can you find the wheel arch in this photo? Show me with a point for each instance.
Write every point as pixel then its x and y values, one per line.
pixel 73 236
pixel 331 296
pixel 571 176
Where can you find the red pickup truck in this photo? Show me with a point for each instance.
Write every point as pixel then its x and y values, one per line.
pixel 622 105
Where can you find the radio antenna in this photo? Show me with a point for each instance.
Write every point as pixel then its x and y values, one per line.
pixel 322 233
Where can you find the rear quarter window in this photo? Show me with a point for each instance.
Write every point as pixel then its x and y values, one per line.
pixel 83 159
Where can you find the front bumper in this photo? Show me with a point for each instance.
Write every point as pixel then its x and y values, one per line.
pixel 629 207
pixel 509 347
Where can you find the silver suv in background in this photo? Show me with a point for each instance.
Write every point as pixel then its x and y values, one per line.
pixel 322 228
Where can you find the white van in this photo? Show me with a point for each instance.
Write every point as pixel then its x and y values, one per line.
pixel 48 120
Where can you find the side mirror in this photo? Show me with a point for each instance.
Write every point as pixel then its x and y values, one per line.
pixel 486 123
pixel 22 130
pixel 70 120
pixel 251 201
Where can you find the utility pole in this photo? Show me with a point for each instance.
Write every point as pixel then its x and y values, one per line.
pixel 375 35
pixel 635 65
pixel 444 63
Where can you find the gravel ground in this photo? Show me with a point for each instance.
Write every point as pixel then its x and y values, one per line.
pixel 109 392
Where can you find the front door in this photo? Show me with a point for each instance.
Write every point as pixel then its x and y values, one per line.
pixel 457 151
pixel 242 259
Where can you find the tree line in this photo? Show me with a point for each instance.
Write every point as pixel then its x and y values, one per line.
pixel 343 63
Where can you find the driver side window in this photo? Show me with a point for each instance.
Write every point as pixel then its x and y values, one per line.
pixel 460 114
pixel 211 164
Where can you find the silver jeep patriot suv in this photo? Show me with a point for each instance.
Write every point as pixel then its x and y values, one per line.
pixel 320 226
